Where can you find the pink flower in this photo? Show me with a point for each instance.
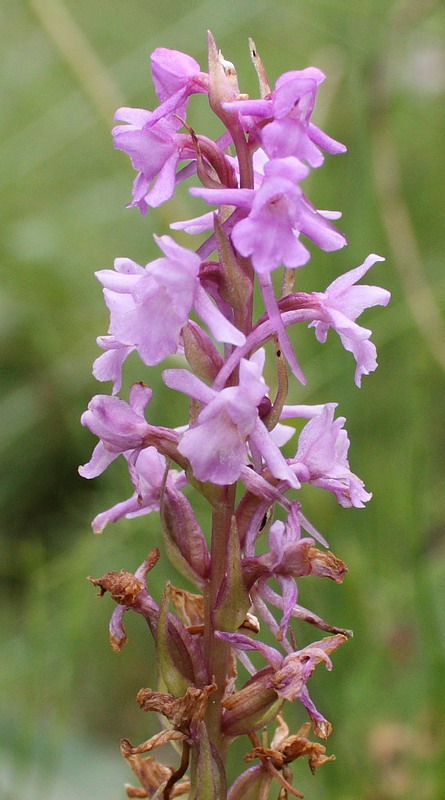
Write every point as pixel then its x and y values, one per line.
pixel 164 292
pixel 321 459
pixel 288 675
pixel 216 445
pixel 176 76
pixel 154 148
pixel 150 137
pixel 147 475
pixel 121 427
pixel 289 108
pixel 108 366
pixel 342 303
pixel 277 213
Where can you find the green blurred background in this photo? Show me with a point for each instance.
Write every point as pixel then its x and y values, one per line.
pixel 67 699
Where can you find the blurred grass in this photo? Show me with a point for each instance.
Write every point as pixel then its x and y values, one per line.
pixel 67 699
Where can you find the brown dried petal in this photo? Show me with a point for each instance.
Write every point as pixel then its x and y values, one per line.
pixel 291 748
pixel 152 774
pixel 177 790
pixel 299 747
pixel 148 563
pixel 188 606
pixel 123 586
pixel 282 732
pixel 118 636
pixel 180 788
pixel 159 739
pixel 250 623
pixel 326 565
pixel 265 752
pixel 322 728
pixel 183 712
pixel 117 643
pixel 133 791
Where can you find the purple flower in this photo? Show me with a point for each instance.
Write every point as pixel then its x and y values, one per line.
pixel 289 557
pixel 176 76
pixel 154 148
pixel 287 675
pixel 289 108
pixel 150 137
pixel 164 292
pixel 321 459
pixel 342 303
pixel 337 307
pixel 108 366
pixel 286 560
pixel 280 208
pixel 216 445
pixel 121 427
pixel 147 474
pixel 277 212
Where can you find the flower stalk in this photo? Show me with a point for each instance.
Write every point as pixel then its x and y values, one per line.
pixel 230 449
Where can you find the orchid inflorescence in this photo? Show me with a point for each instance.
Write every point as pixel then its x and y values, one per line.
pixel 230 448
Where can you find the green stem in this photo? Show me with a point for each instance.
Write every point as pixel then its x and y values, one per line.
pixel 217 652
pixel 243 155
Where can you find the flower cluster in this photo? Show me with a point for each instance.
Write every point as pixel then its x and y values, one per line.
pixel 231 448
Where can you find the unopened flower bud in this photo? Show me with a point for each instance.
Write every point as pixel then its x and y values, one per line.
pixel 202 355
pixel 264 407
pixel 184 539
pixel 223 80
pixel 250 708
